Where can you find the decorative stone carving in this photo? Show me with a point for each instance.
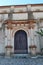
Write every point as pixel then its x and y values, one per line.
pixel 9 25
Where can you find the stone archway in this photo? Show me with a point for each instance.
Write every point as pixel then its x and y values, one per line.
pixel 20 42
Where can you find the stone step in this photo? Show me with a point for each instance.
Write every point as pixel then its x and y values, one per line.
pixel 20 55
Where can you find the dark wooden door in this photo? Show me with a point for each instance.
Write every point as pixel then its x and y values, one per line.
pixel 20 42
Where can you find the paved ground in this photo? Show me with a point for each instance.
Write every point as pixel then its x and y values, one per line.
pixel 21 61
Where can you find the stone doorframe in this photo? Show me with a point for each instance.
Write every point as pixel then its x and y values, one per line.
pixel 14 31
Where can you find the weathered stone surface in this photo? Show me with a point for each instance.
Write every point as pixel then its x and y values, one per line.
pixel 21 61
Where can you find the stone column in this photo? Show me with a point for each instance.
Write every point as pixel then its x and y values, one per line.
pixel 31 27
pixel 29 40
pixel 32 44
pixel 32 36
pixel 8 46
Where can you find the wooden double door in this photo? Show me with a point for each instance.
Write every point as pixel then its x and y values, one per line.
pixel 20 42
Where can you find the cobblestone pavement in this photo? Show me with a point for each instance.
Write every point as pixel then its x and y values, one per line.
pixel 21 61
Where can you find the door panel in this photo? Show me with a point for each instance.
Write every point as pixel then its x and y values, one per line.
pixel 20 42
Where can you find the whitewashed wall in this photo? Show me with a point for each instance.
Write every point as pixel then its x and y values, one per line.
pixel 21 16
pixel 36 38
pixel 20 9
pixel 38 15
pixel 41 37
pixel 2 42
pixel 35 8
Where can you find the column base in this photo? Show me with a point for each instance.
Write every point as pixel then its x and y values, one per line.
pixel 8 50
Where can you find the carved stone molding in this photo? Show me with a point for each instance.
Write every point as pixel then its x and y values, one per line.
pixel 9 25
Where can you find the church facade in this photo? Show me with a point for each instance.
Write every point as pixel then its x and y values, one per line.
pixel 18 26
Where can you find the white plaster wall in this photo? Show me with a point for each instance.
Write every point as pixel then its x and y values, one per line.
pixel 41 24
pixel 41 42
pixel 20 9
pixel 5 16
pixel 36 38
pixel 16 9
pixel 34 8
pixel 1 16
pixel 38 15
pixel 4 9
pixel 41 37
pixel 21 16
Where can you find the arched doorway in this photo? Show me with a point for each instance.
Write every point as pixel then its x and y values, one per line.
pixel 20 42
